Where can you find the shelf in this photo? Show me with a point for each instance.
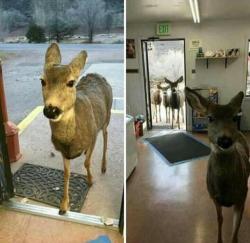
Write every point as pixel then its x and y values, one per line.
pixel 213 58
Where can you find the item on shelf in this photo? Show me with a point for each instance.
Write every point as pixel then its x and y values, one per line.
pixel 200 52
pixel 220 53
pixel 199 121
pixel 235 52
pixel 209 54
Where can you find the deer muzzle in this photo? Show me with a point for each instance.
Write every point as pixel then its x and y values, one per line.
pixel 224 142
pixel 52 112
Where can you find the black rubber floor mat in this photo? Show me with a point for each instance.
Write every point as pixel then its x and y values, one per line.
pixel 45 185
pixel 179 147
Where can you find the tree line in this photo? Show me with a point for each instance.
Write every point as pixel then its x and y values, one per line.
pixel 59 18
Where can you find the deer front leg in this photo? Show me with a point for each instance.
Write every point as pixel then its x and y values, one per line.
pixel 182 114
pixel 238 211
pixel 156 118
pixel 160 112
pixel 64 206
pixel 178 118
pixel 88 161
pixel 166 109
pixel 220 221
pixel 105 140
pixel 172 118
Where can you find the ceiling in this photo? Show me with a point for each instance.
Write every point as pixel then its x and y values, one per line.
pixel 141 11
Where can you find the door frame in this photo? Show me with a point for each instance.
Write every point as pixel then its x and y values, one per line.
pixel 146 85
pixel 6 184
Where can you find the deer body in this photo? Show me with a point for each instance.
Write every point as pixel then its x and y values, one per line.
pixel 228 165
pixel 76 112
pixel 156 100
pixel 90 114
pixel 176 100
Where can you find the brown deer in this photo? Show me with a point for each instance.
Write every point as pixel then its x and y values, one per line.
pixel 76 112
pixel 228 164
pixel 165 100
pixel 156 100
pixel 176 100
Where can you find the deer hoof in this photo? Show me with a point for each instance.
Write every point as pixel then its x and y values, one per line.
pixel 62 212
pixel 104 170
pixel 90 182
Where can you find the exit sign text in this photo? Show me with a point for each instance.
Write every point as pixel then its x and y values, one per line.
pixel 163 29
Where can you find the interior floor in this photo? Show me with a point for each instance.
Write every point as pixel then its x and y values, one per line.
pixel 174 205
pixel 20 227
pixel 105 195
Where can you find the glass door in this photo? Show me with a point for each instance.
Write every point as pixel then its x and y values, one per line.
pixel 146 83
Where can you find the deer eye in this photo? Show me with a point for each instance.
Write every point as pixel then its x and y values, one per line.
pixel 211 118
pixel 43 82
pixel 71 83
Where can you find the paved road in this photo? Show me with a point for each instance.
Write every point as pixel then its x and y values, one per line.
pixel 24 65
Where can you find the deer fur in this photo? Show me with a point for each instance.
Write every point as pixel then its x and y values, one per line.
pixel 228 164
pixel 156 101
pixel 176 100
pixel 165 100
pixel 76 112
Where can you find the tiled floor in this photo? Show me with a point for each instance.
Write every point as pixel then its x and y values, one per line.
pixel 170 204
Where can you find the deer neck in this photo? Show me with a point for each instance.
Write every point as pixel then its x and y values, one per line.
pixel 65 129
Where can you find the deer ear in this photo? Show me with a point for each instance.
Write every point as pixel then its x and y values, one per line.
pixel 78 63
pixel 179 80
pixel 236 102
pixel 167 81
pixel 53 55
pixel 196 101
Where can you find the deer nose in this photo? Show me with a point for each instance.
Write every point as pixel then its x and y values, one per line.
pixel 225 142
pixel 51 112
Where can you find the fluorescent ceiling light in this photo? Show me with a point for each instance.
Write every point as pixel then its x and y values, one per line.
pixel 195 10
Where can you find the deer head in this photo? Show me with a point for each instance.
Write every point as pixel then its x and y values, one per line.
pixel 222 119
pixel 58 82
pixel 174 85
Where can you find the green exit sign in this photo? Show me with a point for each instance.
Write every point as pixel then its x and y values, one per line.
pixel 163 29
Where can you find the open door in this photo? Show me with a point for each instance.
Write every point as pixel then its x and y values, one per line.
pixel 164 82
pixel 6 186
pixel 146 84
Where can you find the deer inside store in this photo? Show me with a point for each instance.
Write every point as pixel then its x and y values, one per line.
pixel 76 111
pixel 228 164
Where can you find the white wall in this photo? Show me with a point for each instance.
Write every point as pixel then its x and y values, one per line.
pixel 214 35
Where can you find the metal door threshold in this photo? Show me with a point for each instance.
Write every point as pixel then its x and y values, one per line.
pixel 80 218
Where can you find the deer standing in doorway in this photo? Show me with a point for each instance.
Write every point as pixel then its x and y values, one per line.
pixel 165 100
pixel 228 164
pixel 76 112
pixel 156 100
pixel 176 100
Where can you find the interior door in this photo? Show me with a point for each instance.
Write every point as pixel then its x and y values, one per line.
pixel 146 84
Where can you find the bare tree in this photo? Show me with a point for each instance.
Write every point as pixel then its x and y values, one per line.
pixel 91 12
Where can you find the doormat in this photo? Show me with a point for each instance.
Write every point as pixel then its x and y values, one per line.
pixel 179 147
pixel 45 185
